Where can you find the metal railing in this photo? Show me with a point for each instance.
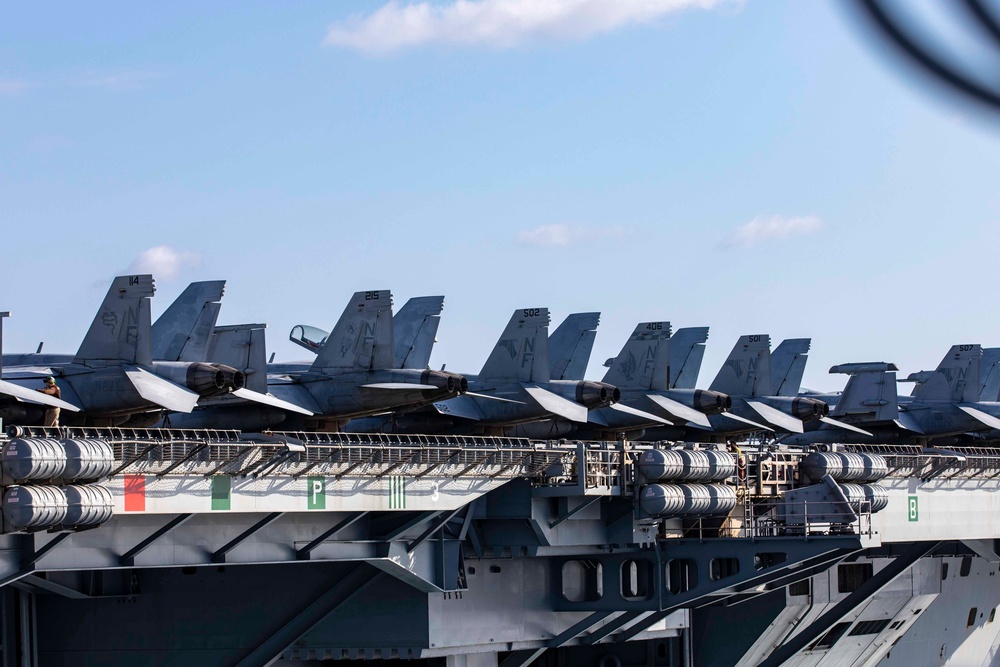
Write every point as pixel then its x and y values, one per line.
pixel 777 518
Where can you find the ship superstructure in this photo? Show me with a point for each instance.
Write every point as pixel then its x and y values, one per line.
pixel 228 548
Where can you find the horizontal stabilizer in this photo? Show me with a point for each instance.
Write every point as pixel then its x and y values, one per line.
pixel 460 406
pixel 556 404
pixel 864 367
pixel 32 396
pixel 839 424
pixel 268 399
pixel 640 413
pixel 398 385
pixel 759 427
pixel 681 411
pixel 27 372
pixel 906 422
pixel 777 417
pixel 594 417
pixel 488 397
pixel 295 394
pixel 162 392
pixel 981 416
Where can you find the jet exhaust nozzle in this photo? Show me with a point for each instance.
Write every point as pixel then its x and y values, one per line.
pixel 234 379
pixel 453 383
pixel 809 409
pixel 711 402
pixel 208 379
pixel 596 394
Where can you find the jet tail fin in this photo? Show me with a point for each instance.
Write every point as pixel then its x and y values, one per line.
pixel 362 338
pixel 687 349
pixel 747 371
pixel 788 365
pixel 643 361
pixel 956 377
pixel 184 330
pixel 570 346
pixel 989 374
pixel 121 330
pixel 870 392
pixel 243 347
pixel 522 352
pixel 415 327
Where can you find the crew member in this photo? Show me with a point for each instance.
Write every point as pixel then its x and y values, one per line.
pixel 51 412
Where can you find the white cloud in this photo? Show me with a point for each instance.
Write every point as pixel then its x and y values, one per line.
pixel 116 81
pixel 163 262
pixel 764 228
pixel 565 235
pixel 13 87
pixel 497 23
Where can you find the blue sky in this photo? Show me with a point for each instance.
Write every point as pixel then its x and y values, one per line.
pixel 757 167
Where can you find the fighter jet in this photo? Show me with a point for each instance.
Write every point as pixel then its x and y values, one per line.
pixel 252 408
pixel 414 325
pixel 746 377
pixel 641 373
pixel 513 388
pixel 353 375
pixel 645 382
pixel 570 346
pixel 181 333
pixel 113 374
pixel 945 403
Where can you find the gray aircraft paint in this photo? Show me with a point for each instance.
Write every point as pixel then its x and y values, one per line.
pixel 352 375
pixel 184 329
pixel 415 328
pixel 687 350
pixel 570 346
pixel 513 388
pixel 939 407
pixel 788 365
pixel 111 373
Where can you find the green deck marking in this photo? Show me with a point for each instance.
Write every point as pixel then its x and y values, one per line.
pixel 221 492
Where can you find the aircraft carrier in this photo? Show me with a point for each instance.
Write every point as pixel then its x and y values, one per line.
pixel 212 547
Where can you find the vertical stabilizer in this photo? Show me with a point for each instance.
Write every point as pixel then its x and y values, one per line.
pixel 687 349
pixel 415 327
pixel 183 331
pixel 570 346
pixel 870 392
pixel 362 338
pixel 956 377
pixel 989 375
pixel 522 352
pixel 747 371
pixel 788 365
pixel 643 362
pixel 121 330
pixel 243 347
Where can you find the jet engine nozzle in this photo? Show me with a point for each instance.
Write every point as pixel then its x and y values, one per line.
pixel 596 394
pixel 808 409
pixel 235 379
pixel 208 379
pixel 203 378
pixel 453 383
pixel 711 402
